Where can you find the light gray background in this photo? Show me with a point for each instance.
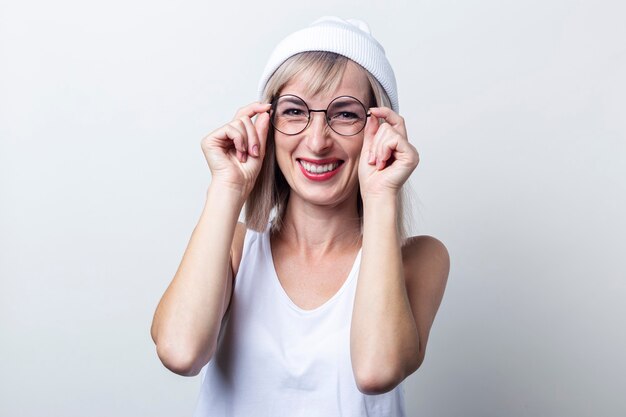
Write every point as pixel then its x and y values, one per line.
pixel 517 109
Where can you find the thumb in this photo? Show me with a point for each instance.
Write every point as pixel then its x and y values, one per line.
pixel 262 124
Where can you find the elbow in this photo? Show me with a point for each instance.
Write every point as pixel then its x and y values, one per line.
pixel 180 361
pixel 375 386
pixel 377 381
pixel 382 378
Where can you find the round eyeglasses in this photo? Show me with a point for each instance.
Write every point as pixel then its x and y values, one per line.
pixel 345 115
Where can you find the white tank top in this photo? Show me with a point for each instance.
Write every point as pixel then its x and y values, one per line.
pixel 275 359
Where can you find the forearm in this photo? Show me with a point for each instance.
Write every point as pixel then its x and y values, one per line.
pixel 384 341
pixel 188 318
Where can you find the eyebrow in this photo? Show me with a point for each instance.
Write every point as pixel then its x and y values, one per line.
pixel 339 101
pixel 293 100
pixel 344 103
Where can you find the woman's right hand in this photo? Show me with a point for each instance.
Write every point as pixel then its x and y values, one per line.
pixel 235 151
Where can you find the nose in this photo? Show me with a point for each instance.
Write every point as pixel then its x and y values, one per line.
pixel 318 136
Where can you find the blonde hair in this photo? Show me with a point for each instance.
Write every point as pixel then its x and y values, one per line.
pixel 324 71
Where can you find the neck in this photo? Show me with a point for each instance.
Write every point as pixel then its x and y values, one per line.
pixel 318 230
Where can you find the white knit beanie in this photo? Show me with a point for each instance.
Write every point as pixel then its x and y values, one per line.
pixel 351 38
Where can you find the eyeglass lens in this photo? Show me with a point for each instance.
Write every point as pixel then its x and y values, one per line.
pixel 345 115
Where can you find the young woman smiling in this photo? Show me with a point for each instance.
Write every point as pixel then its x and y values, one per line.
pixel 318 304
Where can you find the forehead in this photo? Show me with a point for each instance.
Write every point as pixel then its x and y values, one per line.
pixel 353 83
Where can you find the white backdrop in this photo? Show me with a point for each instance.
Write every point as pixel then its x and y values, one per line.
pixel 517 109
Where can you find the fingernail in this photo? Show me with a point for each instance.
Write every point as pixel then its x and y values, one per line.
pixel 255 150
pixel 371 158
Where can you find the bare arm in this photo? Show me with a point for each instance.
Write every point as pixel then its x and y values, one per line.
pixel 398 294
pixel 188 318
pixel 399 288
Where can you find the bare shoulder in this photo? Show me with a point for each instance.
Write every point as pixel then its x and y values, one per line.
pixel 426 257
pixel 236 249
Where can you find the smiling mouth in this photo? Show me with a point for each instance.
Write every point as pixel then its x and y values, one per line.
pixel 317 169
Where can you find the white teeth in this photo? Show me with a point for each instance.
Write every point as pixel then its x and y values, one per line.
pixel 318 169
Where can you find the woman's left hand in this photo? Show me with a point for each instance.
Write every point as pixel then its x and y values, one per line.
pixel 387 158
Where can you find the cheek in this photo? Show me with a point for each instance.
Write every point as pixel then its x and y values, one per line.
pixel 283 156
pixel 356 147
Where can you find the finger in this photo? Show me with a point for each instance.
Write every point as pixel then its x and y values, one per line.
pixel 382 136
pixel 391 117
pixel 262 125
pixel 252 109
pixel 409 154
pixel 253 139
pixel 394 147
pixel 236 133
pixel 242 145
pixel 371 128
pixel 227 133
pixel 385 150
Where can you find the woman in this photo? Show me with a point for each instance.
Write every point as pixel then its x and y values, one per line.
pixel 318 305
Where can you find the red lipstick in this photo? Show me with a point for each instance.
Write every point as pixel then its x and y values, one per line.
pixel 315 164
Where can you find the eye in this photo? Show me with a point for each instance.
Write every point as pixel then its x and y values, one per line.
pixel 292 112
pixel 345 115
pixel 287 109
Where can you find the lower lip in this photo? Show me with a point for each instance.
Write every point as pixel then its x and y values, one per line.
pixel 319 177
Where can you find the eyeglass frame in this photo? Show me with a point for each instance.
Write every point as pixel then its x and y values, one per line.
pixel 275 101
